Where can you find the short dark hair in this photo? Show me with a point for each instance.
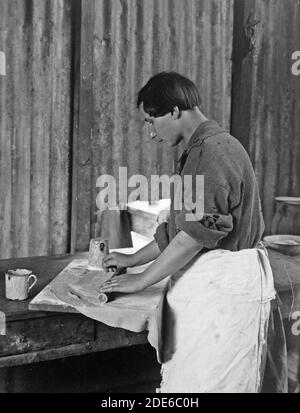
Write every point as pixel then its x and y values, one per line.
pixel 166 90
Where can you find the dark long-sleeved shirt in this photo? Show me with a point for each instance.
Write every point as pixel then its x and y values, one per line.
pixel 232 217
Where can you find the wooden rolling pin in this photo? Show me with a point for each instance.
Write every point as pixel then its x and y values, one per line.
pixel 107 297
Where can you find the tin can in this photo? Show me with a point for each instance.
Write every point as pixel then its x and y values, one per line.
pixel 97 252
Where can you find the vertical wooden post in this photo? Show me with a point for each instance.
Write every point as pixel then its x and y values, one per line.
pixel 82 126
pixel 76 32
pixel 241 74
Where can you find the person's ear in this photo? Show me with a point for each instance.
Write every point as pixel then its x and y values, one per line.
pixel 175 113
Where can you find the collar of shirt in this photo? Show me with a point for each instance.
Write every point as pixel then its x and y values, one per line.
pixel 203 131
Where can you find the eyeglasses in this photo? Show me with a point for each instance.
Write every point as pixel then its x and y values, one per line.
pixel 151 129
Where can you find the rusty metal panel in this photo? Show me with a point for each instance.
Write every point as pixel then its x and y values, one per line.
pixel 133 40
pixel 266 107
pixel 35 120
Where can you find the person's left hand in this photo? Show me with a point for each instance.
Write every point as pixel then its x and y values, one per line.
pixel 125 283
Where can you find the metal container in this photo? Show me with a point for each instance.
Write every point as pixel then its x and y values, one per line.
pixel 18 284
pixel 287 216
pixel 285 244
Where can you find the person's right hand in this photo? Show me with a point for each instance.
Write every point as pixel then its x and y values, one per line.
pixel 118 259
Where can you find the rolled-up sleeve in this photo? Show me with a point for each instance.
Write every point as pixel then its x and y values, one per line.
pixel 208 231
pixel 215 221
pixel 161 236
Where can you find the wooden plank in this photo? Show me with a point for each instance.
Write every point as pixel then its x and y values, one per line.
pixel 241 69
pixel 107 338
pixel 84 152
pixel 47 301
pixel 76 76
pixel 60 128
pixel 46 333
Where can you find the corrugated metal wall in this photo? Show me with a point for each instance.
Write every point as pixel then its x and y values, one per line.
pixel 120 45
pixel 266 104
pixel 35 121
pixel 123 43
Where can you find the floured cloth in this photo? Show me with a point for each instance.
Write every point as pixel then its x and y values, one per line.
pixel 78 287
pixel 216 323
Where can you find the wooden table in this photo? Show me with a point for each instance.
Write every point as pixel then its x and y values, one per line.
pixel 33 336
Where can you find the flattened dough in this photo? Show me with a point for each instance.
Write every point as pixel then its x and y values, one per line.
pixel 82 287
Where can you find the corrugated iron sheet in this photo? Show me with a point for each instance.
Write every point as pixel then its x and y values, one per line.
pixel 135 39
pixel 270 98
pixel 131 41
pixel 35 121
pixel 123 43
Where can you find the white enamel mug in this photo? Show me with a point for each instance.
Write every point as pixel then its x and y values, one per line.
pixel 17 284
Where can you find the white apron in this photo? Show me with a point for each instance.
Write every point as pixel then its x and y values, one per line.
pixel 217 316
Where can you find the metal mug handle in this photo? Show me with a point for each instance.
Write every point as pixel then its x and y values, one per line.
pixel 35 280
